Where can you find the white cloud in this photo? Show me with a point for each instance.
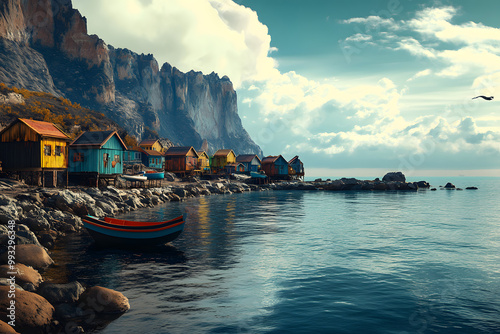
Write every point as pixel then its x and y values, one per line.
pixel 216 35
pixel 421 74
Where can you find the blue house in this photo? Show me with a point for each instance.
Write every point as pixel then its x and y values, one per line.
pixel 275 167
pixel 251 162
pixel 153 159
pixel 132 156
pixel 98 152
pixel 297 167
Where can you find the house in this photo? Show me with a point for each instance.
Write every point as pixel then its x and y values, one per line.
pixel 152 145
pixel 275 166
pixel 133 156
pixel 203 161
pixel 297 167
pixel 222 158
pixel 234 168
pixel 97 154
pixel 251 162
pixel 181 160
pixel 35 147
pixel 153 159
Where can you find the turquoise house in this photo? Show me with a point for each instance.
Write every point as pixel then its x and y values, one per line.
pixel 98 152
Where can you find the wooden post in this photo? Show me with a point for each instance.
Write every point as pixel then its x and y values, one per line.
pixel 54 179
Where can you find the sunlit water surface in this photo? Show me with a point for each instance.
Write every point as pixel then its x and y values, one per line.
pixel 311 262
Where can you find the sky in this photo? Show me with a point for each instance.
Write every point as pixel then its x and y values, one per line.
pixel 358 86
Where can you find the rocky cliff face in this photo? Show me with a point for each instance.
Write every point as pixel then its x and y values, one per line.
pixel 44 46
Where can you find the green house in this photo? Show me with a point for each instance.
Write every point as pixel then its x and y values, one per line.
pixel 97 152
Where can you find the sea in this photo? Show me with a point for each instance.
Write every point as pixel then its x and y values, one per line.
pixel 310 262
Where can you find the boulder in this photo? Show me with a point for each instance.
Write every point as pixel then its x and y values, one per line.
pixel 449 185
pixel 103 300
pixel 471 188
pixel 61 293
pixel 5 328
pixel 423 184
pixel 394 176
pixel 169 177
pixel 30 255
pixel 38 223
pixel 33 313
pixel 7 213
pixel 23 274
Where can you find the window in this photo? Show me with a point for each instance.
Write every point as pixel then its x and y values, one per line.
pixel 47 150
pixel 58 151
pixel 77 156
pixel 105 158
pixel 117 158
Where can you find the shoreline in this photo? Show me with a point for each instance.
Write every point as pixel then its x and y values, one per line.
pixel 44 215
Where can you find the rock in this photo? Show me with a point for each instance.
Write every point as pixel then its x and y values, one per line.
pixel 33 313
pixel 36 223
pixel 459 189
pixel 394 176
pixel 6 328
pixel 169 177
pixel 7 213
pixel 423 184
pixel 31 255
pixel 8 282
pixel 449 185
pixel 318 180
pixel 103 300
pixel 175 198
pixel 134 202
pixel 23 274
pixel 471 188
pixel 47 240
pixel 61 293
pixel 433 189
pixel 181 192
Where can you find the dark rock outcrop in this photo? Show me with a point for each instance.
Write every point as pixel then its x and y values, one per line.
pixel 394 176
pixel 449 185
pixel 104 301
pixel 44 46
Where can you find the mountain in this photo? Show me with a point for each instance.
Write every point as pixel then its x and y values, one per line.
pixel 44 46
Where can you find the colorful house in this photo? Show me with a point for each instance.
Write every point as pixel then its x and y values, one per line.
pixel 132 156
pixel 97 152
pixel 222 158
pixel 234 168
pixel 27 145
pixel 181 160
pixel 153 159
pixel 275 166
pixel 203 161
pixel 251 162
pixel 151 145
pixel 297 167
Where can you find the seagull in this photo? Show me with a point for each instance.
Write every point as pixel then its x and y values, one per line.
pixel 488 98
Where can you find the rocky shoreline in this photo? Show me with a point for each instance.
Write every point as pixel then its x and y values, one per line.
pixel 36 217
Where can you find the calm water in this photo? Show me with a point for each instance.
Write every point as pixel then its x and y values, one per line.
pixel 313 262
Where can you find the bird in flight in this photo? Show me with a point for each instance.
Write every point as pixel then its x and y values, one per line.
pixel 488 98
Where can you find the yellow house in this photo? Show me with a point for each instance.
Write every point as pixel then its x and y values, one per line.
pixel 27 145
pixel 203 161
pixel 151 145
pixel 222 158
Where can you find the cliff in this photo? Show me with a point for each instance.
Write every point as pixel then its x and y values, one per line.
pixel 45 46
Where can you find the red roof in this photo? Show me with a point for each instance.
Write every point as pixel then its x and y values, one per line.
pixel 153 152
pixel 45 129
pixel 294 159
pixel 270 159
pixel 246 157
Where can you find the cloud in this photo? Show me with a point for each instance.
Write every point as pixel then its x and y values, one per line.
pixel 216 35
pixel 421 74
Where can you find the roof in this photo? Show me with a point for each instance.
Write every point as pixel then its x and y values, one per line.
pixel 270 159
pixel 153 152
pixel 45 129
pixel 200 153
pixel 294 160
pixel 223 153
pixel 246 157
pixel 148 142
pixel 179 150
pixel 96 139
pixel 234 165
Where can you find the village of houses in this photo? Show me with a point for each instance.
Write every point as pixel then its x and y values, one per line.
pixel 41 153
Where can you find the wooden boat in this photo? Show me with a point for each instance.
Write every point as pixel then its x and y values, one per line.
pixel 151 175
pixel 137 177
pixel 126 233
